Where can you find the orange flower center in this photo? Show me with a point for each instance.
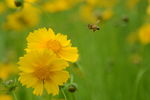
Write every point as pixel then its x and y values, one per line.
pixel 54 45
pixel 42 73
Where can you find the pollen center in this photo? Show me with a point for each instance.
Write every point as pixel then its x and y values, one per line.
pixel 42 73
pixel 54 45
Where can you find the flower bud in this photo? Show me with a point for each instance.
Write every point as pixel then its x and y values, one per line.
pixel 72 87
pixel 10 85
pixel 18 3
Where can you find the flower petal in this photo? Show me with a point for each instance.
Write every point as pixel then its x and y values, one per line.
pixel 69 54
pixel 60 77
pixel 28 79
pixel 38 88
pixel 51 87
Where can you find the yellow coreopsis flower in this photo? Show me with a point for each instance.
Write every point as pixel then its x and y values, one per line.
pixel 27 17
pixel 144 34
pixel 46 39
pixel 5 97
pixel 43 70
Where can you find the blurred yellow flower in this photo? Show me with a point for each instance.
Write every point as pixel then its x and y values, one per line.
pixel 148 10
pixel 2 7
pixel 86 13
pixel 144 34
pixel 91 2
pixel 6 70
pixel 5 97
pixel 131 3
pixel 31 1
pixel 46 39
pixel 101 3
pixel 106 3
pixel 59 5
pixel 91 10
pixel 43 70
pixel 107 14
pixel 27 17
pixel 11 3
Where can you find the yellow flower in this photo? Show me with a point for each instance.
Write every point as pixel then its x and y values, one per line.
pixel 132 3
pixel 5 97
pixel 107 14
pixel 92 2
pixel 6 70
pixel 148 10
pixel 106 3
pixel 46 39
pixel 27 17
pixel 11 3
pixel 144 34
pixel 2 7
pixel 59 5
pixel 86 13
pixel 43 70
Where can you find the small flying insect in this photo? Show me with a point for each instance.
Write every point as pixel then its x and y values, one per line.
pixel 95 26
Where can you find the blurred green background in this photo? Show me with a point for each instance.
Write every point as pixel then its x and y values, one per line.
pixel 111 67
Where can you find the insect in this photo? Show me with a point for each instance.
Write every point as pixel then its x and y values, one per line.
pixel 94 27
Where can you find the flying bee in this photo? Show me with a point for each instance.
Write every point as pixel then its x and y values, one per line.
pixel 95 26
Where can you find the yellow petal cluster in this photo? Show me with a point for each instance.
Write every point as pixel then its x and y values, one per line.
pixel 46 39
pixel 43 67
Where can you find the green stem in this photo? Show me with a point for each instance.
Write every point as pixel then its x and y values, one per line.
pixel 14 94
pixel 138 79
pixel 65 97
pixel 71 78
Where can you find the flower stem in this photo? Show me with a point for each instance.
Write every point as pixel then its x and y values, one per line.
pixel 65 97
pixel 14 94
